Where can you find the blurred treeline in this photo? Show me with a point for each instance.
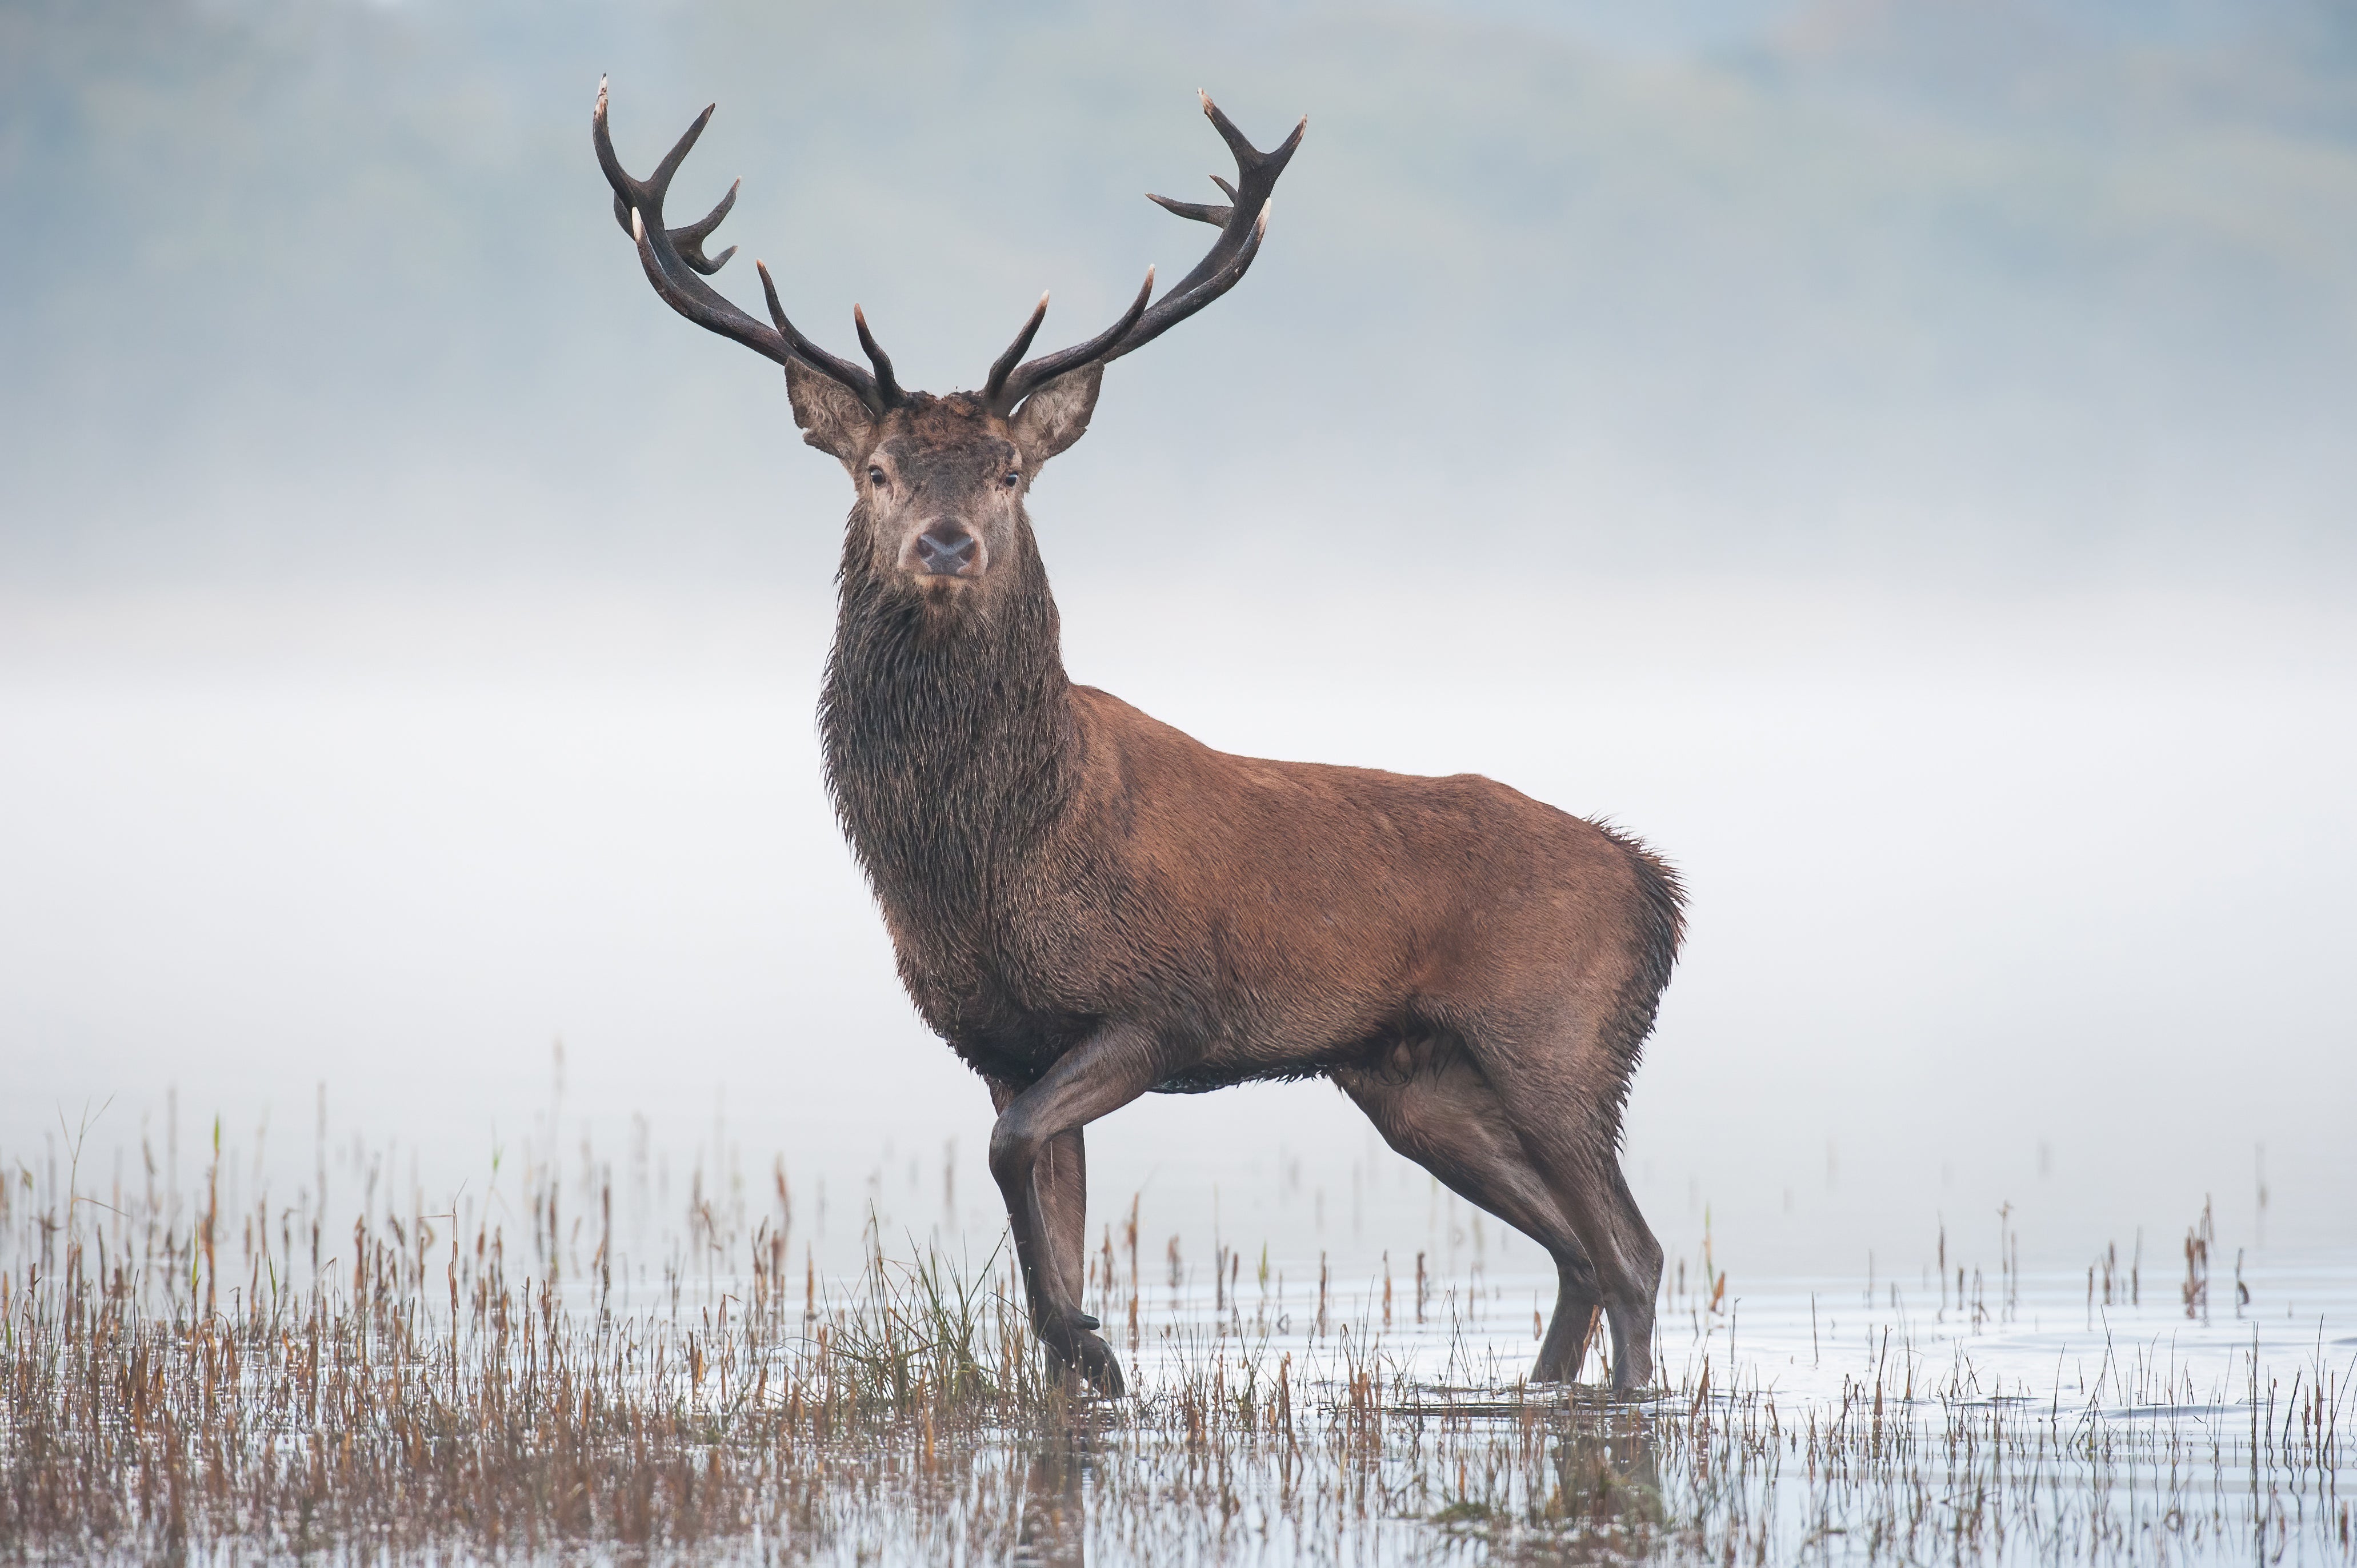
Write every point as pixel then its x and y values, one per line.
pixel 2042 291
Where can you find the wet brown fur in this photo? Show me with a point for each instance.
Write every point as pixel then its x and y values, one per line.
pixel 1088 905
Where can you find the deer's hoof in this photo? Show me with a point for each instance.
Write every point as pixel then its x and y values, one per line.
pixel 1097 1363
pixel 1072 1345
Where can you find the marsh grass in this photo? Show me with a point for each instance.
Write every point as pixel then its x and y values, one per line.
pixel 405 1392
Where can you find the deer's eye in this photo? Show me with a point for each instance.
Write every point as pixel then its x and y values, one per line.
pixel 1010 478
pixel 876 478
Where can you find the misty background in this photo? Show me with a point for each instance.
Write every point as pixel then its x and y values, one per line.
pixel 1894 458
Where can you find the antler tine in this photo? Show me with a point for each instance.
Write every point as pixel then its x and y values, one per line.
pixel 1004 366
pixel 1181 303
pixel 635 195
pixel 697 303
pixel 1201 212
pixel 674 257
pixel 658 182
pixel 1048 366
pixel 689 240
pixel 1243 223
pixel 1249 158
pixel 886 387
pixel 816 357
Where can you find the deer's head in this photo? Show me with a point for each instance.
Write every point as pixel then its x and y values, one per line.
pixel 940 480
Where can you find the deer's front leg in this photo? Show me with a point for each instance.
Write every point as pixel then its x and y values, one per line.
pixel 1102 1074
pixel 1061 1177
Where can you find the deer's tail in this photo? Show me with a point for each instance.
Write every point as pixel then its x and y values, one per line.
pixel 1656 929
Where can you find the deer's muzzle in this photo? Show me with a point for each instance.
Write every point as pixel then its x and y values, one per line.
pixel 945 550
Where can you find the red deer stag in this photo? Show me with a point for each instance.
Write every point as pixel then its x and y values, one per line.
pixel 1089 905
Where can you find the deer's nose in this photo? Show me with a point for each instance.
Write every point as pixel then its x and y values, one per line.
pixel 947 550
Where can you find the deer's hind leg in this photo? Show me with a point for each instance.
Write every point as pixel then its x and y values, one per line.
pixel 1564 1104
pixel 1433 1106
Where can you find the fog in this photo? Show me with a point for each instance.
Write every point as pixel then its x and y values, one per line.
pixel 1891 458
pixel 2047 292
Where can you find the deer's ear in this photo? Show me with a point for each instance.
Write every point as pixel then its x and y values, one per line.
pixel 833 418
pixel 1056 415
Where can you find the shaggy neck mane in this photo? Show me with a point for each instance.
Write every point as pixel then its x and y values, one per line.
pixel 948 738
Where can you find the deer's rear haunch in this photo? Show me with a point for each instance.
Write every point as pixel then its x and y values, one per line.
pixel 1090 905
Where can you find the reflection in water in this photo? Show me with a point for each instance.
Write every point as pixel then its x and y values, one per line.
pixel 1607 1474
pixel 1053 1532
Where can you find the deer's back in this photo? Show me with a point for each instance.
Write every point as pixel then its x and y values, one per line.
pixel 1287 909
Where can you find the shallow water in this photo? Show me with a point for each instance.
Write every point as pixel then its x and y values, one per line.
pixel 1281 1409
pixel 2041 1341
pixel 2016 1421
pixel 2038 1424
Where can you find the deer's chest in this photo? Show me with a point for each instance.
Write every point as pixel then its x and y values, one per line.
pixel 1012 983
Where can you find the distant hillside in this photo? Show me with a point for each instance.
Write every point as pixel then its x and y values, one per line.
pixel 324 286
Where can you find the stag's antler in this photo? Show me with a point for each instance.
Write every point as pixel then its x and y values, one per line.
pixel 674 257
pixel 1242 225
